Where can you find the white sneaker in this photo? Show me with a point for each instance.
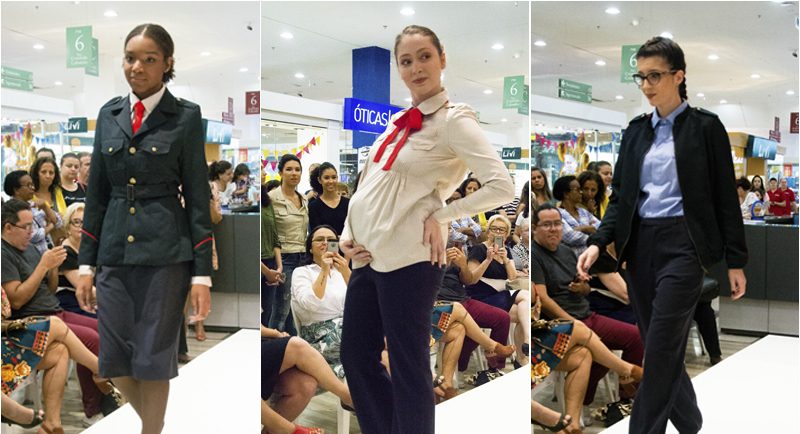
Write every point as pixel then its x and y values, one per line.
pixel 89 421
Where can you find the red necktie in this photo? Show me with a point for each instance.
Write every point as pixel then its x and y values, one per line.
pixel 138 113
pixel 410 121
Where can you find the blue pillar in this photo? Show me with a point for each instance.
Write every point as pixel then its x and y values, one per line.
pixel 371 69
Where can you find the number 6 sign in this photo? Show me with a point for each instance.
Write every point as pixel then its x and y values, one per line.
pixel 252 103
pixel 78 54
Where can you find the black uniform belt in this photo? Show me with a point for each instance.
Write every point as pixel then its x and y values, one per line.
pixel 150 191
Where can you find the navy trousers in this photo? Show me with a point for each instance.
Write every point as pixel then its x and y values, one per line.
pixel 664 279
pixel 396 305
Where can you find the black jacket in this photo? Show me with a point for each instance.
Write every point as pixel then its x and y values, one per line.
pixel 133 210
pixel 706 178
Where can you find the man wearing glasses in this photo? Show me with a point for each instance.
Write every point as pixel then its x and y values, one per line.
pixel 563 294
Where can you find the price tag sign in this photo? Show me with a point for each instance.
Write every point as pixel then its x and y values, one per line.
pixel 79 51
pixel 252 102
pixel 513 90
pixel 629 64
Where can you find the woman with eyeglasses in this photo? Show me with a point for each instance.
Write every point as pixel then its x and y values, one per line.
pixel 492 265
pixel 68 271
pixel 674 213
pixel 19 184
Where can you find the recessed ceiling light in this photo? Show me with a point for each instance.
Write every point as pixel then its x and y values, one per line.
pixel 612 11
pixel 38 47
pixel 756 76
pixel 540 43
pixel 619 97
pixel 205 53
pixel 713 57
pixel 634 22
pixel 516 55
pixel 110 14
pixel 789 92
pixel 487 92
pixel 243 69
pixel 723 101
pixel 498 46
pixel 504 120
pixel 600 63
pixel 667 35
pixel 58 83
pixel 701 95
pixel 287 35
pixel 407 12
pixel 299 75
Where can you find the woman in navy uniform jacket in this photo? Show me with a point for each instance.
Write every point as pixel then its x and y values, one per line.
pixel 673 213
pixel 148 248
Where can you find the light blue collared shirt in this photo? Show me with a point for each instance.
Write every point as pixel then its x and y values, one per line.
pixel 659 192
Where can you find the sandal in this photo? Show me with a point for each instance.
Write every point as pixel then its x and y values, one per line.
pixel 500 352
pixel 563 421
pixel 36 421
pixel 628 383
pixel 199 331
pixel 57 430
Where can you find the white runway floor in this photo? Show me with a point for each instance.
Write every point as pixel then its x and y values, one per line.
pixel 218 392
pixel 754 391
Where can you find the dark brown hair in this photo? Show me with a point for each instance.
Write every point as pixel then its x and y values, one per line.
pixel 671 52
pixel 164 41
pixel 418 30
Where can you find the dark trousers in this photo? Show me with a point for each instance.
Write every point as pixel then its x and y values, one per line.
pixel 665 279
pixel 707 326
pixel 281 315
pixel 395 305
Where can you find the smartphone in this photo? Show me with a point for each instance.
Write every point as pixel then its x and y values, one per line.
pixel 498 241
pixel 333 246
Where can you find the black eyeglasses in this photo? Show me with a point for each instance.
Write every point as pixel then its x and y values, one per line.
pixel 652 77
pixel 28 227
pixel 76 222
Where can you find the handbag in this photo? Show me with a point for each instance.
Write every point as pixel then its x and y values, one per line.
pixel 14 325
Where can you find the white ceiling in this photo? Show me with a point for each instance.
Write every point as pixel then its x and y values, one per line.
pixel 217 27
pixel 325 33
pixel 749 38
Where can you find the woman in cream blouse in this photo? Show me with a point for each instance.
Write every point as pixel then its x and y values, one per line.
pixel 395 233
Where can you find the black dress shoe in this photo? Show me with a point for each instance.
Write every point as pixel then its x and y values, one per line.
pixel 715 360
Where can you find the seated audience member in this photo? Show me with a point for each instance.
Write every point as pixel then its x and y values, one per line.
pixel 578 224
pixel 523 211
pixel 521 250
pixel 593 193
pixel 343 190
pixel 563 297
pixel 24 271
pixel 19 185
pixel 746 198
pixel 330 208
pixel 68 271
pixel 290 372
pixel 604 169
pixel 83 171
pixel 469 186
pixel 491 267
pixel 540 188
pixel 70 188
pixel 318 291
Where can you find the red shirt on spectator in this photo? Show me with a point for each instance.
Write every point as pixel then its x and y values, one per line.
pixel 788 196
pixel 778 196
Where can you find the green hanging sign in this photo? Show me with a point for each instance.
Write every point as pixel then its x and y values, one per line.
pixel 17 74
pixel 93 68
pixel 17 84
pixel 513 91
pixel 629 63
pixel 79 50
pixel 524 109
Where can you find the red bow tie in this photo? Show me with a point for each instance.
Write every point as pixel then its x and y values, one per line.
pixel 410 121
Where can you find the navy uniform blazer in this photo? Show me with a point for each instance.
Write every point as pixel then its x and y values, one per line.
pixel 707 181
pixel 133 210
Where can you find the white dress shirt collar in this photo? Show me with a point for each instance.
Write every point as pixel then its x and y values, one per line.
pixel 150 102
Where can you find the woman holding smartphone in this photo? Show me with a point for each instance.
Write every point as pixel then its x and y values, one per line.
pixel 148 248
pixel 395 233
pixel 673 213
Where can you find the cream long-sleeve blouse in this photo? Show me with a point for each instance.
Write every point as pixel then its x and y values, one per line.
pixel 388 211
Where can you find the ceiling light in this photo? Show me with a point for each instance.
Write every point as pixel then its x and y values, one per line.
pixel 504 120
pixel 407 12
pixel 701 95
pixel 667 35
pixel 243 69
pixel 205 53
pixel 540 43
pixel 497 46
pixel 756 76
pixel 38 47
pixel 299 75
pixel 723 101
pixel 713 57
pixel 487 92
pixel 612 11
pixel 58 83
pixel 789 92
pixel 287 35
pixel 516 55
pixel 600 63
pixel 619 97
pixel 634 22
pixel 110 14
